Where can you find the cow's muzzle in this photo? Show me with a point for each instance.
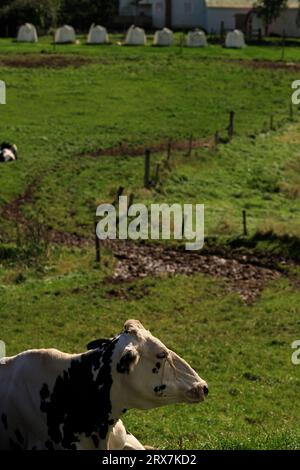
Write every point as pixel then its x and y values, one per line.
pixel 197 393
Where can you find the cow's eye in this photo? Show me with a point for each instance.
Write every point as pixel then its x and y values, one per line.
pixel 162 355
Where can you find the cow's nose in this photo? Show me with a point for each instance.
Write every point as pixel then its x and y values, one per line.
pixel 197 392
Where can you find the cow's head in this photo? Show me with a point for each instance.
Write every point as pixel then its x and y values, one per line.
pixel 146 374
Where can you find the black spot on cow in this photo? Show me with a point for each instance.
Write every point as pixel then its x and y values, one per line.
pixel 97 343
pixel 19 436
pixel 159 388
pixel 44 393
pixel 80 402
pixel 4 420
pixel 158 365
pixel 154 370
pixel 125 362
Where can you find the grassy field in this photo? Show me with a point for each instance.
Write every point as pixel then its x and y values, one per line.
pixel 54 296
pixel 242 351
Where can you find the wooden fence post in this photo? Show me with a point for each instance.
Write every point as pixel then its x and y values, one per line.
pixel 222 31
pixel 231 124
pixel 183 225
pixel 217 138
pixel 259 35
pixel 119 193
pixel 245 230
pixel 97 245
pixel 147 168
pixel 130 200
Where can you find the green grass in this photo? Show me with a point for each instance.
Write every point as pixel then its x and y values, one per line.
pixel 253 384
pixel 128 95
pixel 141 96
pixel 271 50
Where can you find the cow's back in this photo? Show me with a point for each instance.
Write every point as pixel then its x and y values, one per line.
pixel 22 378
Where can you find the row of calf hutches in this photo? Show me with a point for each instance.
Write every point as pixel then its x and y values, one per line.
pixel 135 36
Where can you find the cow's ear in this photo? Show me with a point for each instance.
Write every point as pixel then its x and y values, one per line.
pixel 97 343
pixel 128 360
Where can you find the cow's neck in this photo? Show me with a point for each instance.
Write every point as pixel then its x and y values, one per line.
pixel 80 401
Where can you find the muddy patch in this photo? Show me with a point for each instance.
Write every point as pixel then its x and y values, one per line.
pixel 243 276
pixel 44 61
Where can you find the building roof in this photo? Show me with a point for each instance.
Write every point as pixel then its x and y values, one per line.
pixel 241 3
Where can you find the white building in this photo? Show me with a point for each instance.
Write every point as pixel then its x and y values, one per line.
pixel 210 15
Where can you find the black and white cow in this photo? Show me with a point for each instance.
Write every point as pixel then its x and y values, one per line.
pixel 8 152
pixel 53 400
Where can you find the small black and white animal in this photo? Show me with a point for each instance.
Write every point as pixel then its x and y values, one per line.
pixel 50 400
pixel 8 152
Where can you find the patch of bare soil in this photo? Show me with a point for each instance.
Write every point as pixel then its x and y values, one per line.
pixel 244 276
pixel 44 60
pixel 131 151
pixel 268 64
pixel 68 239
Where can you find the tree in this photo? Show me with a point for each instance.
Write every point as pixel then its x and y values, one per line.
pixel 82 13
pixel 48 13
pixel 269 10
pixel 42 14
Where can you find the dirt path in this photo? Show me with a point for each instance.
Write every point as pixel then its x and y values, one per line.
pixel 12 210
